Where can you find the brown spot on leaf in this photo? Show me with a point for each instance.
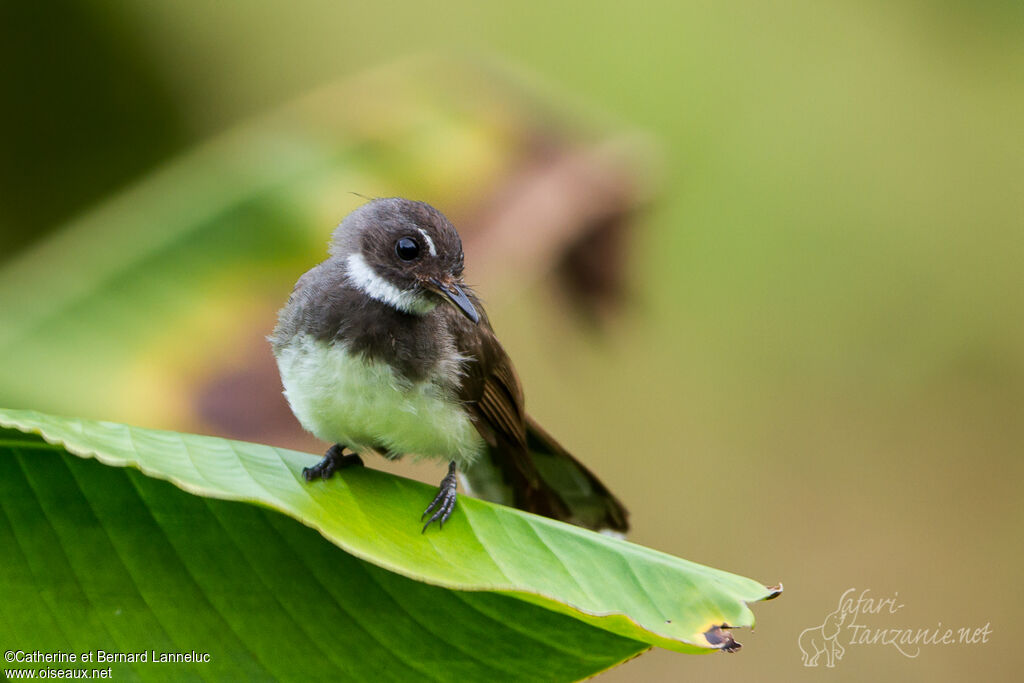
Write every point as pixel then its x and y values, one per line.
pixel 719 637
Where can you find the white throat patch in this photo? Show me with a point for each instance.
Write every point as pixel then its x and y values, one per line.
pixel 363 278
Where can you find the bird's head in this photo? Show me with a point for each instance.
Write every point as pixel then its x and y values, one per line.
pixel 405 254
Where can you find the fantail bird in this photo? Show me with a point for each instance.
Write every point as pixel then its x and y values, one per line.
pixel 383 348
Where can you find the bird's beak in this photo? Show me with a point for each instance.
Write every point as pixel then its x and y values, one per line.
pixel 457 296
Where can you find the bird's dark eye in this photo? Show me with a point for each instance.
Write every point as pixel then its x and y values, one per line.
pixel 407 248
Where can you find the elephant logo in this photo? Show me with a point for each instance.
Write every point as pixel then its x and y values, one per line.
pixel 823 640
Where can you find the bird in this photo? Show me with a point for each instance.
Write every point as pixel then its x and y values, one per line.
pixel 383 349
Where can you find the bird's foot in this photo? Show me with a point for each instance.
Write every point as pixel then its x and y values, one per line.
pixel 444 501
pixel 335 459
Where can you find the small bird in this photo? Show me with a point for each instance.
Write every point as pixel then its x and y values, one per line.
pixel 382 348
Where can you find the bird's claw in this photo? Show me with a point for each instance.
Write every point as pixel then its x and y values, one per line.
pixel 444 501
pixel 335 459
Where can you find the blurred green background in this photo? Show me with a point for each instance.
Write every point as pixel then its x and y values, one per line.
pixel 819 375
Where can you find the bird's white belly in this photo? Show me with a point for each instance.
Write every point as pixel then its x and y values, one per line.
pixel 343 397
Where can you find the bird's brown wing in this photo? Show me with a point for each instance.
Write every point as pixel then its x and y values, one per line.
pixel 524 466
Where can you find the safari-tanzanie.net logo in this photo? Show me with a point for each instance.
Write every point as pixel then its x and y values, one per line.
pixel 863 620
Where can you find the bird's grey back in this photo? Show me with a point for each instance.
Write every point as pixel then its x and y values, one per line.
pixel 315 305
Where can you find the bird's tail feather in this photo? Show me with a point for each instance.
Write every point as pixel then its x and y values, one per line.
pixel 549 482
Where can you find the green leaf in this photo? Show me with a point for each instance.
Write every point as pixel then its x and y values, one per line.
pixel 105 558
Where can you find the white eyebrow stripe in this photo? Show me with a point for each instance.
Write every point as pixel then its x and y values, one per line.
pixel 362 277
pixel 430 242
